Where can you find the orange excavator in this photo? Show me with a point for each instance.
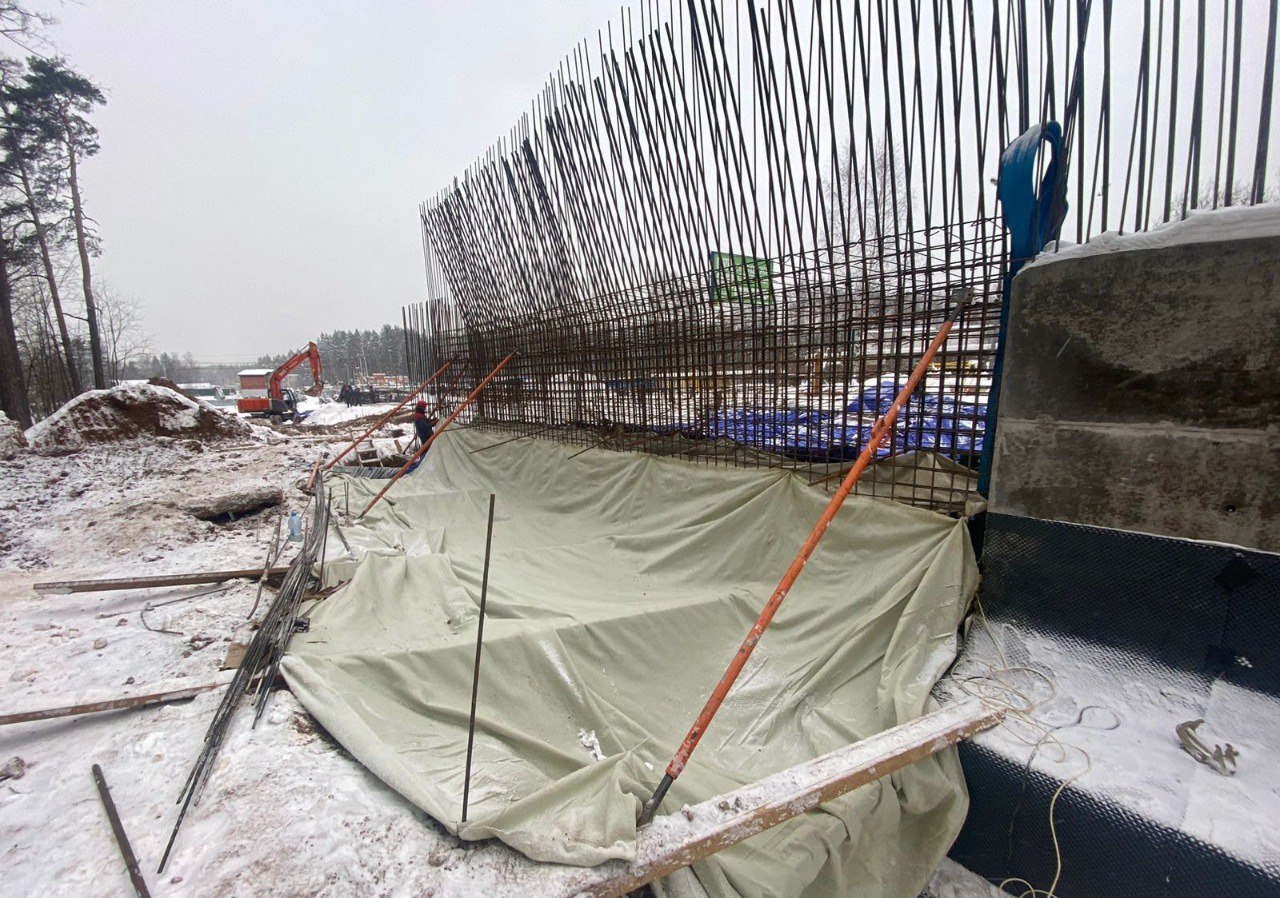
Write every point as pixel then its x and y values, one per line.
pixel 264 395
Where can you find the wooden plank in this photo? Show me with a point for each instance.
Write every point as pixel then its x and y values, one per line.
pixel 62 587
pixel 115 704
pixel 679 840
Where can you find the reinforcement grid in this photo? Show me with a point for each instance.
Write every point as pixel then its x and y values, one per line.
pixel 738 223
pixel 790 371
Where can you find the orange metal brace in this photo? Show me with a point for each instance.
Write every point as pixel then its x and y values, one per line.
pixel 879 432
pixel 444 395
pixel 387 416
pixel 427 445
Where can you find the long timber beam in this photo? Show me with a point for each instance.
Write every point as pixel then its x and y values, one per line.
pixel 679 840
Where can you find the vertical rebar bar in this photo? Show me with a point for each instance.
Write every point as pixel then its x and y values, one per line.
pixel 475 674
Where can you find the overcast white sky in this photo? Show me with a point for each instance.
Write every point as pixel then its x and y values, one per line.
pixel 262 163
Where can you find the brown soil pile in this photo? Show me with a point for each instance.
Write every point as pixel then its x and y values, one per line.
pixel 158 381
pixel 133 412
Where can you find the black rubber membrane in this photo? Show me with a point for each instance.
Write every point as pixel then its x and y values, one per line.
pixel 1192 607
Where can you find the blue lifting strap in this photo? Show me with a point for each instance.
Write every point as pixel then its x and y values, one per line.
pixel 1033 218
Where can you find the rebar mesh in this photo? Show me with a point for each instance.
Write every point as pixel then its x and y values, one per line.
pixel 728 231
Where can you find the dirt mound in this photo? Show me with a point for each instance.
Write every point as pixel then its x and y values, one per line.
pixel 132 412
pixel 12 440
pixel 158 381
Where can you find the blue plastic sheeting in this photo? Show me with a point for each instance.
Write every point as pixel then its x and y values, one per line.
pixel 929 421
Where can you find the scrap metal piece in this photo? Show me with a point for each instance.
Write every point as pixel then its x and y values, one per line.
pixel 1222 759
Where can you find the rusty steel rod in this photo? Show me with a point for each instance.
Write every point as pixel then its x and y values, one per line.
pixel 385 418
pixel 114 704
pixel 882 429
pixel 122 840
pixel 441 429
pixel 475 676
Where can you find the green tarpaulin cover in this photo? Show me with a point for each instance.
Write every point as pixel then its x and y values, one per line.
pixel 621 585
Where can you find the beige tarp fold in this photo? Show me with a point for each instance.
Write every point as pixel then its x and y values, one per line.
pixel 620 586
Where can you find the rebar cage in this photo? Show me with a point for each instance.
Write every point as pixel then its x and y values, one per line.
pixel 731 237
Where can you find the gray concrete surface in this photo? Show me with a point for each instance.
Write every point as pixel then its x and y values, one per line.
pixel 1142 391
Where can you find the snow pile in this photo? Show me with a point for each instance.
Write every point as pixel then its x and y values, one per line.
pixel 130 412
pixel 1202 226
pixel 12 439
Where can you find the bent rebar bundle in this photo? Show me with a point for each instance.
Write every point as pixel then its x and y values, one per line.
pixel 261 661
pixel 740 221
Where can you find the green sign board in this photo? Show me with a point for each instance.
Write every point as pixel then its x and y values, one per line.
pixel 741 278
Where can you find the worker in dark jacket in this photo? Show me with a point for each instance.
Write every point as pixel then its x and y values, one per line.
pixel 422 425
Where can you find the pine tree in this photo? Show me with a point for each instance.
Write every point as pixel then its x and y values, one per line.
pixel 56 103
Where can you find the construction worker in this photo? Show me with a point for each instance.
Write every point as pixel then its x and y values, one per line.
pixel 422 425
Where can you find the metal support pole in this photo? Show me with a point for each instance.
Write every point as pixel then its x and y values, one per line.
pixel 441 429
pixel 882 429
pixel 385 418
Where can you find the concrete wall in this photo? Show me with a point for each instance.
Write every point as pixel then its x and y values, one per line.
pixel 1141 391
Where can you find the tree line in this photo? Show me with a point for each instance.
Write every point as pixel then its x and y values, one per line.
pixel 346 356
pixel 61 330
pixel 350 356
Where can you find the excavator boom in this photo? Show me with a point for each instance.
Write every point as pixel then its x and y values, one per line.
pixel 312 354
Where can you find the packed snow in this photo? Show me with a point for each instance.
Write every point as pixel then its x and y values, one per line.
pixel 326 411
pixel 1200 226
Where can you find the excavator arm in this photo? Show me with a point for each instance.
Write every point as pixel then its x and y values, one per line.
pixel 312 354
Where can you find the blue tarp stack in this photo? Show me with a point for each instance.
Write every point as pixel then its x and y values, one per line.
pixel 929 421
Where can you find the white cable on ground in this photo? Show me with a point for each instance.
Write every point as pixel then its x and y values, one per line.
pixel 992 684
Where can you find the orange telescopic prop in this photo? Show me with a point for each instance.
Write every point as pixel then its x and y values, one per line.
pixel 879 432
pixel 427 445
pixel 448 391
pixel 387 416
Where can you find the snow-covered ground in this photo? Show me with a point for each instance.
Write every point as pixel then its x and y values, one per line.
pixel 1107 719
pixel 286 811
pixel 327 411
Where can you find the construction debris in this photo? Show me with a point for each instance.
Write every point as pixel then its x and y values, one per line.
pixel 386 417
pixel 130 412
pixel 232 505
pixel 14 769
pixel 1223 760
pixel 261 660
